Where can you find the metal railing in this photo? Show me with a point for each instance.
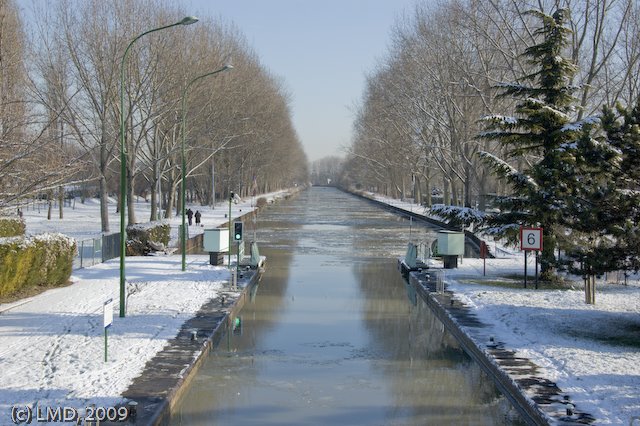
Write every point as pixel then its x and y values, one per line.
pixel 97 250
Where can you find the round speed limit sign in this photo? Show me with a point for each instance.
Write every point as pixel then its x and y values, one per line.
pixel 530 238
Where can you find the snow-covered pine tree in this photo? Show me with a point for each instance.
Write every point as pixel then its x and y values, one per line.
pixel 622 132
pixel 591 207
pixel 544 106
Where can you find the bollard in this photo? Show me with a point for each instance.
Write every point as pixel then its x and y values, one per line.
pixel 570 406
pixel 234 279
pixel 132 408
pixel 194 334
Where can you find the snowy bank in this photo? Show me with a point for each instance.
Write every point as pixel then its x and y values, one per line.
pixel 53 344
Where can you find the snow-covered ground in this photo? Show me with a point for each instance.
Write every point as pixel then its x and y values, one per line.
pixel 591 351
pixel 52 344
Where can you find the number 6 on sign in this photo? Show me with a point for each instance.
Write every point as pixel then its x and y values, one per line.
pixel 530 238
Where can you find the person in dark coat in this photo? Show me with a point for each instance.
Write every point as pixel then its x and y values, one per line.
pixel 189 216
pixel 198 216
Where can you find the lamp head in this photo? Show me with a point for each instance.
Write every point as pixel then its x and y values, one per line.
pixel 188 20
pixel 227 67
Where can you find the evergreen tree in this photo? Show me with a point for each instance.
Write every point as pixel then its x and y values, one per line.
pixel 591 209
pixel 622 131
pixel 603 211
pixel 537 130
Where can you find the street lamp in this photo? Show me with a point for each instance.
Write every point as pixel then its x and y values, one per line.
pixel 123 158
pixel 183 233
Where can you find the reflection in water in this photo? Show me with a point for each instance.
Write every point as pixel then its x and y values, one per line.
pixel 331 337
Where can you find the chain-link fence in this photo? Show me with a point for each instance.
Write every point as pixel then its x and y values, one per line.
pixel 97 250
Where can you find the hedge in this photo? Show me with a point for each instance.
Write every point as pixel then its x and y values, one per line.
pixel 42 260
pixel 12 226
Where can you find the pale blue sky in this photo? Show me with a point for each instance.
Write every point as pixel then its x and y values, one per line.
pixel 321 49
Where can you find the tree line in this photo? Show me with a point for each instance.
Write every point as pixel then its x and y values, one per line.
pixel 60 65
pixel 522 112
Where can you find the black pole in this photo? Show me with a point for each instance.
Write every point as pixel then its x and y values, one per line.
pixel 536 269
pixel 525 268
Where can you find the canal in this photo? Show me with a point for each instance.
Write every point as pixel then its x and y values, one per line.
pixel 333 334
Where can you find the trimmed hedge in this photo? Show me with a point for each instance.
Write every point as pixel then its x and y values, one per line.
pixel 139 236
pixel 12 227
pixel 43 260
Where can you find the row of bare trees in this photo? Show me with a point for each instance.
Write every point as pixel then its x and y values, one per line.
pixel 416 128
pixel 60 106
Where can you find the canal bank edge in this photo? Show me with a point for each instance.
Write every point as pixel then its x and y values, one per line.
pixel 545 401
pixel 167 375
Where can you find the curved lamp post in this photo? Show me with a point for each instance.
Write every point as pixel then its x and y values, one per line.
pixel 123 158
pixel 183 232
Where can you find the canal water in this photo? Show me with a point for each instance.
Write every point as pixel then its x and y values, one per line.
pixel 334 335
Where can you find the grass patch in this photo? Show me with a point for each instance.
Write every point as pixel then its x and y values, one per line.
pixel 628 335
pixel 515 281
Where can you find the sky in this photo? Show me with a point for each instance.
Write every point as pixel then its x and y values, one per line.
pixel 322 50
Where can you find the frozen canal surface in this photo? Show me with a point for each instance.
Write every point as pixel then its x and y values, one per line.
pixel 335 336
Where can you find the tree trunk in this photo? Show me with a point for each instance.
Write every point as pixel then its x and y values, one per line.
pixel 467 186
pixel 154 203
pixel 445 191
pixel 482 196
pixel 104 203
pixel 455 201
pixel 61 201
pixel 50 206
pixel 590 289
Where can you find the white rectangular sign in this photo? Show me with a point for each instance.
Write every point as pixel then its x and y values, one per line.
pixel 531 239
pixel 108 313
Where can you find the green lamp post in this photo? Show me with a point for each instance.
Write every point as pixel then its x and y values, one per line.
pixel 123 158
pixel 183 233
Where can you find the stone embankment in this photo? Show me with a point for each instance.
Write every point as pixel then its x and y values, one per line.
pixel 539 401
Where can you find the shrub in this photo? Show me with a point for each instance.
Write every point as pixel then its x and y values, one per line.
pixel 140 235
pixel 16 258
pixel 53 261
pixel 43 260
pixel 261 202
pixel 12 226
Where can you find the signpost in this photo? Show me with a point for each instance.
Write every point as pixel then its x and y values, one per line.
pixel 107 315
pixel 483 255
pixel 530 240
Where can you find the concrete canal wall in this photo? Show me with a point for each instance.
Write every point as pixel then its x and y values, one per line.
pixel 539 401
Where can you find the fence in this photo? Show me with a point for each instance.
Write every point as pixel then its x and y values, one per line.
pixel 97 250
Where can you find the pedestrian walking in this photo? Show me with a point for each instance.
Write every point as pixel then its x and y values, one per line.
pixel 198 216
pixel 189 216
